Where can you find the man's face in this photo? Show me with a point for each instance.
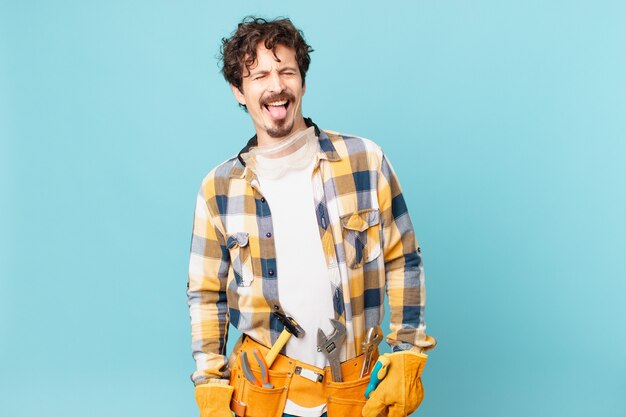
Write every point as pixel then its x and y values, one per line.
pixel 272 92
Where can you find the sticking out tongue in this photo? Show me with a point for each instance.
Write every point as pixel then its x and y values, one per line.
pixel 277 112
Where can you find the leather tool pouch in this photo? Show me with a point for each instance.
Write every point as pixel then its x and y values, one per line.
pixel 346 398
pixel 343 399
pixel 250 400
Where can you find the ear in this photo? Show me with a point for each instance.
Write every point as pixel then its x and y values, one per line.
pixel 238 95
pixel 304 88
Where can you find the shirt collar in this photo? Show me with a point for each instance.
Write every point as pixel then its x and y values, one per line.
pixel 326 145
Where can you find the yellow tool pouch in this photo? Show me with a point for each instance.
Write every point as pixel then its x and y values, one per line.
pixel 305 385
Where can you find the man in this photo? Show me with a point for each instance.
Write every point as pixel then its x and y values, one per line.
pixel 308 224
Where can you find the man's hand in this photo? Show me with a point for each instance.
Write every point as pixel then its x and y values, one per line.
pixel 399 391
pixel 213 399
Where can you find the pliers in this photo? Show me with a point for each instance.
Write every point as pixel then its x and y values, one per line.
pixel 245 365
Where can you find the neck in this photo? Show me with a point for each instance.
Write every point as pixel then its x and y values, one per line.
pixel 263 139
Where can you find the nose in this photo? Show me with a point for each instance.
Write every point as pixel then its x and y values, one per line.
pixel 275 82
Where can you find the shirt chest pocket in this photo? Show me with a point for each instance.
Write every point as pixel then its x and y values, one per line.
pixel 239 246
pixel 361 237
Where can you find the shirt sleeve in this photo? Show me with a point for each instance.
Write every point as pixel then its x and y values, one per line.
pixel 209 263
pixel 404 271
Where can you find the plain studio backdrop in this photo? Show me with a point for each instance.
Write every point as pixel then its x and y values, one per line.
pixel 505 121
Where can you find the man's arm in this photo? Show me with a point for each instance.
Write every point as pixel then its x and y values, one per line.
pixel 209 263
pixel 403 266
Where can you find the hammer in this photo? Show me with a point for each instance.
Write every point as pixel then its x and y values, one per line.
pixel 291 327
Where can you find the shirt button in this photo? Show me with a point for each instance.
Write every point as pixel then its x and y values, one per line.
pixel 268 234
pixel 271 272
pixel 262 199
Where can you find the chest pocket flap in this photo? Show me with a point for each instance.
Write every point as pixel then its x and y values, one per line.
pixel 238 245
pixel 361 236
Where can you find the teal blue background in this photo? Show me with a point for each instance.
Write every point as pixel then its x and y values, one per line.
pixel 505 121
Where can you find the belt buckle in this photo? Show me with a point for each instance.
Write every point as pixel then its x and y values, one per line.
pixel 308 374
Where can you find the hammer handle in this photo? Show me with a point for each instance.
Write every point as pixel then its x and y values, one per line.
pixel 277 347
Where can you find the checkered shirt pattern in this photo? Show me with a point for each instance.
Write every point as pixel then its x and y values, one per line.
pixel 367 238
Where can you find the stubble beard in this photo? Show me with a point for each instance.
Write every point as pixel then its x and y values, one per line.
pixel 280 129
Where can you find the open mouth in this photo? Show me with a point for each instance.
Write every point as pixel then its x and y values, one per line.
pixel 277 108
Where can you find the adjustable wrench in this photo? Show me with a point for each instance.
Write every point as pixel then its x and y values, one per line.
pixel 372 338
pixel 331 347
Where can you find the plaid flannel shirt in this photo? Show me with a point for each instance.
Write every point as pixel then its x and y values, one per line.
pixel 367 238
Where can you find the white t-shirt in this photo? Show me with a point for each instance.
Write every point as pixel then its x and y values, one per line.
pixel 303 282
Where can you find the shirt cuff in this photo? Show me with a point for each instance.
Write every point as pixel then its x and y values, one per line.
pixel 211 381
pixel 403 347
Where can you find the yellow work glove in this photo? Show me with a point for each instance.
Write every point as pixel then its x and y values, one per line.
pixel 395 385
pixel 214 399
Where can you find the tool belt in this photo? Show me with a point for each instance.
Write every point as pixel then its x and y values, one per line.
pixel 305 385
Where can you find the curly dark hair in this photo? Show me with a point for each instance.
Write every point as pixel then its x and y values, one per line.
pixel 239 50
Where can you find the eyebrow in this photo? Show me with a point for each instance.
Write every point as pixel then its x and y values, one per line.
pixel 264 72
pixel 259 72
